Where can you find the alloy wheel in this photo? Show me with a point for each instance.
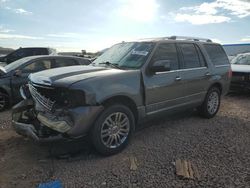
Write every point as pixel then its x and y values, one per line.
pixel 213 102
pixel 115 130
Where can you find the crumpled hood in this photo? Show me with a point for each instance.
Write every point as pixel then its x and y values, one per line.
pixel 240 68
pixel 66 76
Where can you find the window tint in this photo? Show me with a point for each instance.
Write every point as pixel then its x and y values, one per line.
pixel 217 54
pixel 22 52
pixel 37 66
pixel 63 62
pixel 40 51
pixel 190 56
pixel 201 57
pixel 167 52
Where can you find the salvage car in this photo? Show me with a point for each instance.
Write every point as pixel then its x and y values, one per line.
pixel 241 73
pixel 25 52
pixel 127 84
pixel 14 75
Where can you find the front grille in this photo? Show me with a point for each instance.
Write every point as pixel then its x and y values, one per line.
pixel 45 102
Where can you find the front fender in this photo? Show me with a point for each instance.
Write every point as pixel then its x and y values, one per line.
pixel 97 90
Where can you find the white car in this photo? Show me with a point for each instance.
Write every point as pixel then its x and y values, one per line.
pixel 241 72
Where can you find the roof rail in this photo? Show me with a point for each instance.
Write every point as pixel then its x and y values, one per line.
pixel 189 38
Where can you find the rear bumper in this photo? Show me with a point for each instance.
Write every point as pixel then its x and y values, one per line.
pixel 75 124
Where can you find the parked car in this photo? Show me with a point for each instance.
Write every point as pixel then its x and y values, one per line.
pixel 129 83
pixel 241 72
pixel 25 52
pixel 14 75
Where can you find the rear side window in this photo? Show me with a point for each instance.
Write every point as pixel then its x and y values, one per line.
pixel 217 54
pixel 37 66
pixel 64 62
pixel 190 56
pixel 167 52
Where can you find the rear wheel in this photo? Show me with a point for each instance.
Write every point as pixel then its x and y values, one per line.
pixel 211 104
pixel 4 101
pixel 112 130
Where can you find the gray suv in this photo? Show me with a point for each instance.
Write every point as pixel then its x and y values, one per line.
pixel 130 82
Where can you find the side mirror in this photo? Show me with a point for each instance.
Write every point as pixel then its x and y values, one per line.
pixel 18 73
pixel 161 66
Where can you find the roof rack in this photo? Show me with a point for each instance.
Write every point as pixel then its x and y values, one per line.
pixel 189 38
pixel 179 38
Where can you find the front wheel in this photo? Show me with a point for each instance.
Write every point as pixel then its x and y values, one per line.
pixel 112 129
pixel 211 104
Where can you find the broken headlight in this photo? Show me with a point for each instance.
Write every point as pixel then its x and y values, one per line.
pixel 71 98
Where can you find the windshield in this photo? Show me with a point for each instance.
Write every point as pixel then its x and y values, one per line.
pixel 243 59
pixel 131 55
pixel 14 65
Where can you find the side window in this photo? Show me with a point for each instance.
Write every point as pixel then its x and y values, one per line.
pixel 217 54
pixel 40 51
pixel 64 62
pixel 190 56
pixel 167 52
pixel 22 52
pixel 201 57
pixel 37 66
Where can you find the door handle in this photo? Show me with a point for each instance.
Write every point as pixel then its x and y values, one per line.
pixel 178 78
pixel 208 74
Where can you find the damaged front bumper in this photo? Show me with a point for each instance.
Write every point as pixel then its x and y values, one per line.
pixel 46 127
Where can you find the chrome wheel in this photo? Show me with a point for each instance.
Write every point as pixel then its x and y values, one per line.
pixel 213 102
pixel 115 130
pixel 3 102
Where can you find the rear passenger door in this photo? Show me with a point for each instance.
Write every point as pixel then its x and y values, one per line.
pixel 194 72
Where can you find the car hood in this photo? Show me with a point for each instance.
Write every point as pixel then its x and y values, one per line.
pixel 240 68
pixel 66 76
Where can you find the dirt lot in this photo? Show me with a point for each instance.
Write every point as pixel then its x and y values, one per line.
pixel 219 147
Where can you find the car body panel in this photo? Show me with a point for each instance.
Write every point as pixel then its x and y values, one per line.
pixel 240 68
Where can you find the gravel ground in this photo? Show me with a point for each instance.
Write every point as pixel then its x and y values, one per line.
pixel 219 147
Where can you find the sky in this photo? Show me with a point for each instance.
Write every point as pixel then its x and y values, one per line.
pixel 75 25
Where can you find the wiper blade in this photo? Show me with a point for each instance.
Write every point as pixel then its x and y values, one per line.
pixel 114 65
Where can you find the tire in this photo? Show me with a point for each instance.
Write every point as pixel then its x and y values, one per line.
pixel 211 104
pixel 4 101
pixel 113 129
